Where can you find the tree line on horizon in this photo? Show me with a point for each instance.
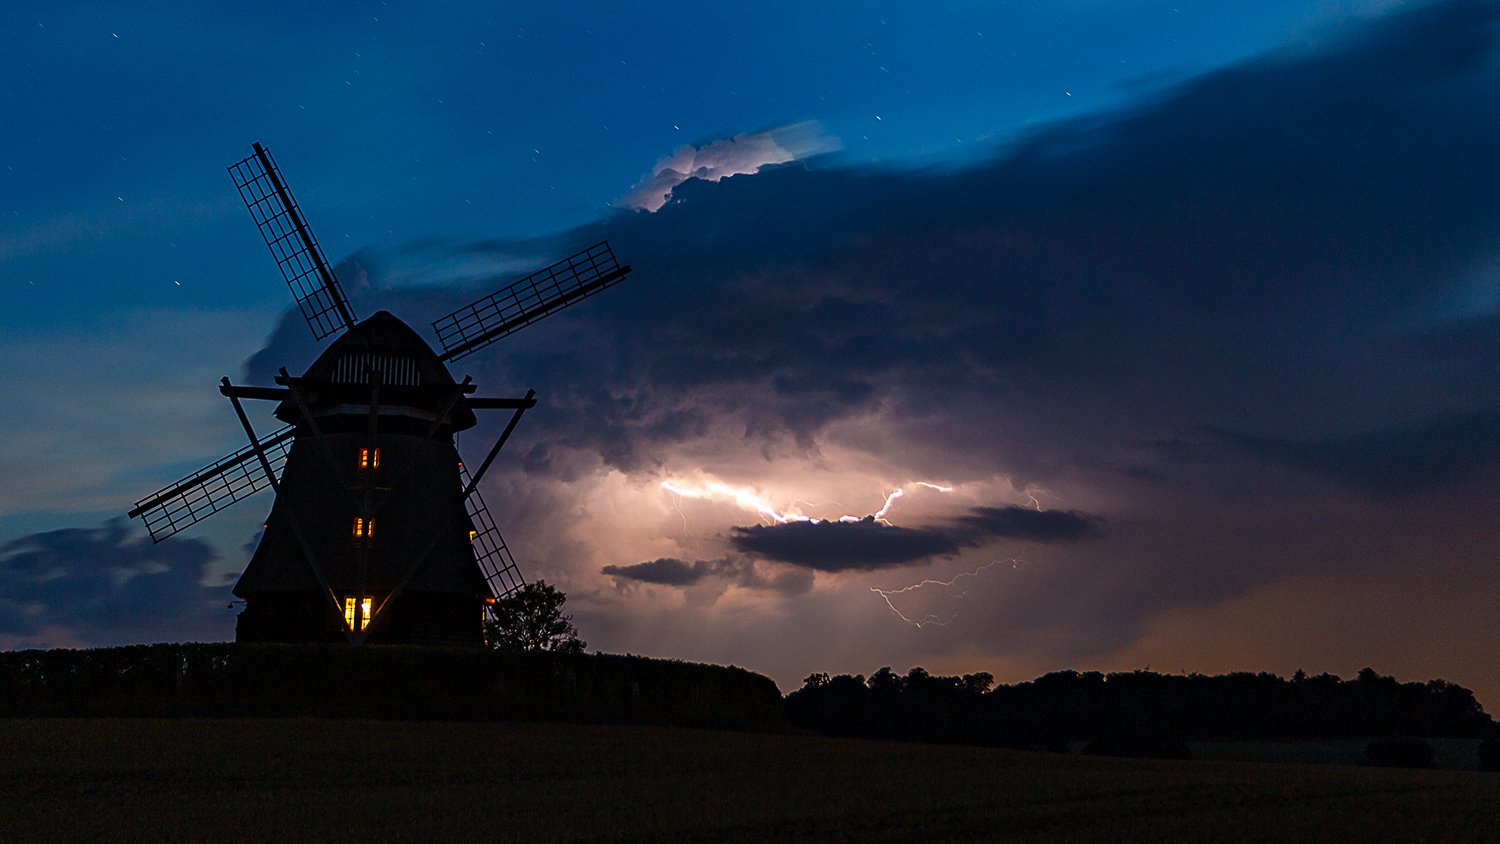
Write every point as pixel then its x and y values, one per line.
pixel 1138 713
pixel 1132 713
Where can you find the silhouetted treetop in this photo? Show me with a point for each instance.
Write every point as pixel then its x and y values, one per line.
pixel 1065 706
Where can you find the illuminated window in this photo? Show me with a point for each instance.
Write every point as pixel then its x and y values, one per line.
pixel 369 460
pixel 472 534
pixel 349 613
pixel 363 530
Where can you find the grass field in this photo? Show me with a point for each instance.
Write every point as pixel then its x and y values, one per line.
pixel 376 781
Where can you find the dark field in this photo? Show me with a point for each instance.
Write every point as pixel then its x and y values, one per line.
pixel 374 781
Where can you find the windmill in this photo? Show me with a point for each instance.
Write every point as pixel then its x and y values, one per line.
pixel 377 532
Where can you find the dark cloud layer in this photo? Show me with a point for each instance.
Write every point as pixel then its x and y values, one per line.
pixel 103 586
pixel 865 545
pixel 1288 203
pixel 1392 461
pixel 988 523
pixel 670 571
pixel 869 545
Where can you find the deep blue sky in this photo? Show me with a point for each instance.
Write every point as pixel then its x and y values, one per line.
pixel 403 121
pixel 1191 309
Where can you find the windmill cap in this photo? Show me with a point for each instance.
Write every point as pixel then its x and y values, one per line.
pixel 384 343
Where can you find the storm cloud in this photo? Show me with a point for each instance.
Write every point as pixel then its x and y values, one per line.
pixel 668 571
pixel 865 545
pixel 1393 461
pixel 106 586
pixel 870 545
pixel 990 523
pixel 1212 237
pixel 1148 314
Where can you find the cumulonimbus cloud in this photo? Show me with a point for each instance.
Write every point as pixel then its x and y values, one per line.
pixel 744 153
pixel 1239 251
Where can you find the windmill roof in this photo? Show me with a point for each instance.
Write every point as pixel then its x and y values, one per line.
pixel 409 365
pixel 384 333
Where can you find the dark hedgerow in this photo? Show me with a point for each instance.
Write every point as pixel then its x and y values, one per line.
pixel 383 681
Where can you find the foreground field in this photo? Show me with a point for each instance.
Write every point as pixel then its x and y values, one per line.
pixel 368 781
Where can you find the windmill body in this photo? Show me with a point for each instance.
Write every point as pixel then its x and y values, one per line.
pixel 378 532
pixel 444 595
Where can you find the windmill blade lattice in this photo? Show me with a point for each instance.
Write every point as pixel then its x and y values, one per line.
pixel 528 300
pixel 297 253
pixel 215 487
pixel 495 562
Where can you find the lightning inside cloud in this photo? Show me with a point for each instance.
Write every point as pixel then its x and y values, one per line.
pixel 767 509
pixel 933 619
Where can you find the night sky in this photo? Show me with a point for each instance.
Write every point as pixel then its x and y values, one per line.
pixel 1004 337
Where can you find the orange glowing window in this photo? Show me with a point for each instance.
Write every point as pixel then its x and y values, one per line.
pixel 472 534
pixel 364 614
pixel 361 529
pixel 369 458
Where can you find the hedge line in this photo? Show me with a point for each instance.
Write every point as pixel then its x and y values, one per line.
pixel 1133 707
pixel 382 681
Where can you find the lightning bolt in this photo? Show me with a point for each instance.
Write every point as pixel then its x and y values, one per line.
pixel 889 500
pixel 677 505
pixel 767 509
pixel 901 493
pixel 931 619
pixel 743 497
pixel 1030 494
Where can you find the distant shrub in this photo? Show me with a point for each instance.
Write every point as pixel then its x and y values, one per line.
pixel 1403 752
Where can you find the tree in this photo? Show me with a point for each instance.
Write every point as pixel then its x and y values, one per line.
pixel 531 619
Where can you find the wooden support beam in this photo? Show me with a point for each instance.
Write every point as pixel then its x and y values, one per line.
pixel 267 393
pixel 482 403
pixel 291 518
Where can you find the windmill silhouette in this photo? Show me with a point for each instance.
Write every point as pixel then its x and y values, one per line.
pixel 378 532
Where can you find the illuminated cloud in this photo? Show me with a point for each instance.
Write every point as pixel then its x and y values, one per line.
pixel 745 153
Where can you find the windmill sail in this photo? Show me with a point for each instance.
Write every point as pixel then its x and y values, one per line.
pixel 528 300
pixel 292 243
pixel 210 490
pixel 495 562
